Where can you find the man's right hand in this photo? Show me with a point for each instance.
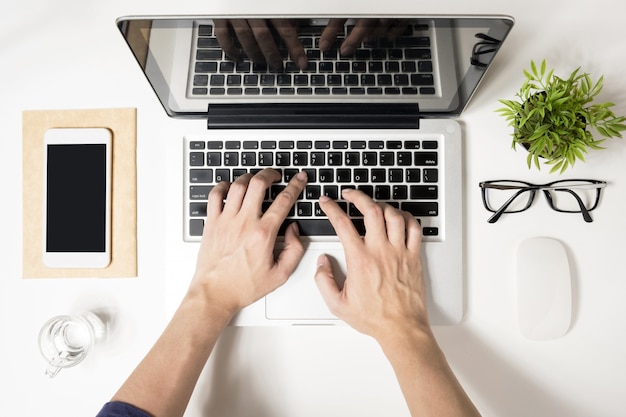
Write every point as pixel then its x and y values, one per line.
pixel 384 289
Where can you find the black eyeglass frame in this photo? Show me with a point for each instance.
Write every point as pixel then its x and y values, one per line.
pixel 546 188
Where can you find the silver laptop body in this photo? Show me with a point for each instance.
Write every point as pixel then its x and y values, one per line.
pixel 380 120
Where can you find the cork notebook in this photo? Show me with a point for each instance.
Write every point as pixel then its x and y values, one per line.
pixel 123 125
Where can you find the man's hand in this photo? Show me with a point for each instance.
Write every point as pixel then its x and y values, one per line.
pixel 363 30
pixel 236 264
pixel 255 37
pixel 384 291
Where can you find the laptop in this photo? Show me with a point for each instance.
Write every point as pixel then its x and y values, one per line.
pixel 366 102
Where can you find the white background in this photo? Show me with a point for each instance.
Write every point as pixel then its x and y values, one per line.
pixel 68 54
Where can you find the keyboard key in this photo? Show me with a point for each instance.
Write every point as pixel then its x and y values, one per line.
pixel 213 159
pixel 222 175
pixel 283 159
pixel 335 158
pixel 378 175
pixel 424 192
pixel 431 175
pixel 266 159
pixel 200 192
pixel 399 192
pixel 196 159
pixel 331 191
pixel 318 158
pixel 215 144
pixel 412 144
pixel 201 175
pixel 300 158
pixel 382 192
pixel 197 209
pixel 322 144
pixel 413 175
pixel 361 175
pixel 248 159
pixel 326 175
pixel 344 175
pixel 304 209
pixel 196 226
pixel 404 158
pixel 313 192
pixel 370 158
pixel 231 158
pixel 386 159
pixel 425 158
pixel 421 209
pixel 319 227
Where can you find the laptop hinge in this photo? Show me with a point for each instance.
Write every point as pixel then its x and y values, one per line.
pixel 314 116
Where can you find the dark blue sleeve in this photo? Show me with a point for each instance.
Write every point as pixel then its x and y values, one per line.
pixel 119 409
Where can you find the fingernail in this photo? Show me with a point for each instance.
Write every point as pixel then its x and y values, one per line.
pixel 324 199
pixel 302 176
pixel 295 228
pixel 324 44
pixel 321 261
pixel 346 191
pixel 303 62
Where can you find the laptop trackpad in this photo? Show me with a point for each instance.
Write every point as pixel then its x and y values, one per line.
pixel 299 298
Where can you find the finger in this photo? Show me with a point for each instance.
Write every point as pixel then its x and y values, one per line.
pixel 257 186
pixel 372 213
pixel 397 28
pixel 379 30
pixel 223 35
pixel 247 40
pixel 360 31
pixel 215 202
pixel 236 194
pixel 395 223
pixel 290 256
pixel 267 45
pixel 346 232
pixel 277 212
pixel 329 34
pixel 413 233
pixel 325 281
pixel 287 30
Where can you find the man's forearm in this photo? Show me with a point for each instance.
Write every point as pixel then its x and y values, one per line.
pixel 163 382
pixel 428 384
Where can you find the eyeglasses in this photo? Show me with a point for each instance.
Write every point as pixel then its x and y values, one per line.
pixel 565 196
pixel 487 45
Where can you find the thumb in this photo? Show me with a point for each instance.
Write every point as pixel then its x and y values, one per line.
pixel 325 280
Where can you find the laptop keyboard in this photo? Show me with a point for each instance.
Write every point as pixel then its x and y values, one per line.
pixel 402 67
pixel 403 173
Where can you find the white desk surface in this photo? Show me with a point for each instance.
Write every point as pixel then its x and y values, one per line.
pixel 63 55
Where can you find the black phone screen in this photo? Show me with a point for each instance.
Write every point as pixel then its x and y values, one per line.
pixel 76 198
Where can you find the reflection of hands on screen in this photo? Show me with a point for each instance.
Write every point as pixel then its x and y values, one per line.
pixel 257 41
pixel 363 30
pixel 254 37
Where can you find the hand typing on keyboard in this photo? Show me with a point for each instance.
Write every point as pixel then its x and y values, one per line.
pixel 383 295
pixel 236 262
pixel 255 37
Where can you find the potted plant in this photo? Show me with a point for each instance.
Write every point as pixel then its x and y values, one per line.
pixel 552 117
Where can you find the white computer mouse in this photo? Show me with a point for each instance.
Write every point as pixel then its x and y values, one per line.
pixel 544 289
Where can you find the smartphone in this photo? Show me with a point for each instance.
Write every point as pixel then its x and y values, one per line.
pixel 77 198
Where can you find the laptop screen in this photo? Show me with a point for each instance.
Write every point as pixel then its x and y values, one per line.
pixel 435 62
